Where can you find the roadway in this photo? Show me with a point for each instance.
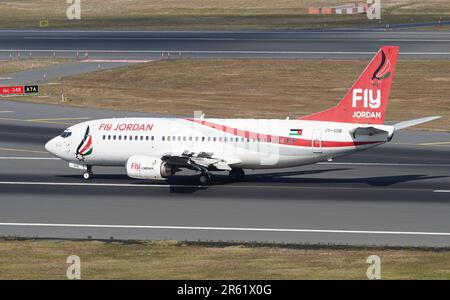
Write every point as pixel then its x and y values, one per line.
pixel 204 44
pixel 398 194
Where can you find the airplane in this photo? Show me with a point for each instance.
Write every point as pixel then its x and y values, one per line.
pixel 157 148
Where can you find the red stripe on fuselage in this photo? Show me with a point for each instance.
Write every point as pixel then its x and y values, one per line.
pixel 277 139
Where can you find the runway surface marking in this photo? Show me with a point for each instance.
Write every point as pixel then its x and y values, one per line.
pixel 58 119
pixel 220 51
pixel 48 121
pixel 331 32
pixel 335 231
pixel 22 150
pixel 441 191
pixel 27 158
pixel 411 40
pixel 435 143
pixel 383 164
pixel 239 186
pixel 136 38
pixel 90 60
pixel 6 111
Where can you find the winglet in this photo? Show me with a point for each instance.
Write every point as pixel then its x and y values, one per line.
pixel 410 123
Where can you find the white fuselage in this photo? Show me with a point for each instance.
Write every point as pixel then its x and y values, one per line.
pixel 242 143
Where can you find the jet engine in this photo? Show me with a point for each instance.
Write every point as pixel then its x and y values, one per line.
pixel 147 167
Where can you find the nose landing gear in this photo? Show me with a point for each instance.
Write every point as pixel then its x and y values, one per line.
pixel 88 174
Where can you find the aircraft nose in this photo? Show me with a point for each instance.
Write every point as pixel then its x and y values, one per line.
pixel 50 146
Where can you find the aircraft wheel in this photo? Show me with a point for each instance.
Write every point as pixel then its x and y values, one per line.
pixel 205 179
pixel 237 174
pixel 88 175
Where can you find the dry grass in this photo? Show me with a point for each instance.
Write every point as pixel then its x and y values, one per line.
pixel 254 88
pixel 12 66
pixel 171 260
pixel 223 14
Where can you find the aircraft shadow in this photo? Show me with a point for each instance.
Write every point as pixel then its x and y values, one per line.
pixel 186 184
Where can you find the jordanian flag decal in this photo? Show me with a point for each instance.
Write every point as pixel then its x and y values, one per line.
pixel 85 147
pixel 296 132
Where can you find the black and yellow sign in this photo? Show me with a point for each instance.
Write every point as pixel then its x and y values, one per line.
pixel 43 23
pixel 31 89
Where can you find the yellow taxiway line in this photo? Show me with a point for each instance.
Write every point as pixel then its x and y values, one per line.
pixel 49 120
pixel 22 150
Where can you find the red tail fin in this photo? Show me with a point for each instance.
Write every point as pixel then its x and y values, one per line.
pixel 367 100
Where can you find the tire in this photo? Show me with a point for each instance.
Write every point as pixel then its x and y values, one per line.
pixel 204 179
pixel 87 175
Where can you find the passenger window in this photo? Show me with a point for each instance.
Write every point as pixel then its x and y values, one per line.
pixel 125 137
pixel 135 137
pixel 203 138
pixel 120 137
pixel 168 138
pixel 142 137
pixel 109 137
pixel 114 137
pixel 104 136
pixel 163 138
pixel 153 138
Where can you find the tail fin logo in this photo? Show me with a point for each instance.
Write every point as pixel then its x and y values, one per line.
pixel 383 70
pixel 85 147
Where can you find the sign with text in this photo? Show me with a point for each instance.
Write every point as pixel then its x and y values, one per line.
pixel 12 90
pixel 19 90
pixel 31 89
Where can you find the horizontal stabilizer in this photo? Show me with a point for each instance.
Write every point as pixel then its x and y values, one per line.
pixel 370 130
pixel 410 123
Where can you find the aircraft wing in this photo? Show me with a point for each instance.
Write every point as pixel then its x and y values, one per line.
pixel 201 161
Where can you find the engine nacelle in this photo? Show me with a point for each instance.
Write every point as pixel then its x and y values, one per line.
pixel 147 167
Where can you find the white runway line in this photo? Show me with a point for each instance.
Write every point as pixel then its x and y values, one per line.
pixel 383 164
pixel 441 191
pixel 252 229
pixel 238 186
pixel 27 158
pixel 89 184
pixel 217 51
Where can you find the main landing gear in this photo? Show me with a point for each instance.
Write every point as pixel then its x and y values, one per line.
pixel 88 174
pixel 237 174
pixel 205 178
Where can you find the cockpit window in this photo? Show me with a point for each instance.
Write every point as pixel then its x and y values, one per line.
pixel 66 134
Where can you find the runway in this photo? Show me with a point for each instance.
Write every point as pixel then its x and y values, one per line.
pixel 397 194
pixel 210 44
